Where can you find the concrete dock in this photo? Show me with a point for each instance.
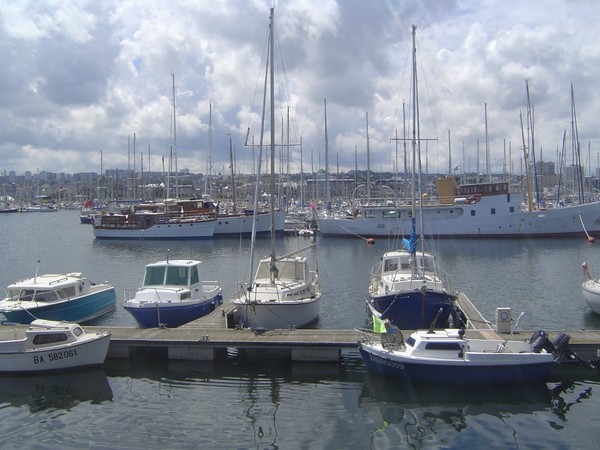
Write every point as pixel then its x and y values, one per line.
pixel 204 338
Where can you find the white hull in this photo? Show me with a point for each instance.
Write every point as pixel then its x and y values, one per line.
pixel 242 224
pixel 591 294
pixel 492 216
pixel 177 230
pixel 90 350
pixel 276 315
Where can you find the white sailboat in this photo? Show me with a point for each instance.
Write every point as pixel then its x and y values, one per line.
pixel 284 293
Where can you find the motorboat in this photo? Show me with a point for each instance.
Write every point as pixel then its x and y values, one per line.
pixel 48 345
pixel 448 356
pixel 71 297
pixel 172 294
pixel 591 290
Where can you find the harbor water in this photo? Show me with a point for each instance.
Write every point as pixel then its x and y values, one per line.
pixel 254 401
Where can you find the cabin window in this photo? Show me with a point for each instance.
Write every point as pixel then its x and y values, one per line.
pixel 369 214
pixel 410 341
pixel 194 277
pixel 442 346
pixel 26 295
pixel 393 214
pixel 512 209
pixel 44 296
pixel 49 338
pixel 493 211
pixel 390 265
pixel 154 276
pixel 472 212
pixel 77 331
pixel 70 291
pixel 177 276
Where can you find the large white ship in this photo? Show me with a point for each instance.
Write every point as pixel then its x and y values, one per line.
pixel 482 210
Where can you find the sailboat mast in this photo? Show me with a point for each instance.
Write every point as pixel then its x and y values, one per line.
pixel 233 193
pixel 175 139
pixel 272 106
pixel 327 191
pixel 414 119
pixel 368 160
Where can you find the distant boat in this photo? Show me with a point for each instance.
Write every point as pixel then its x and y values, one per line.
pixel 71 297
pixel 153 221
pixel 172 294
pixel 50 345
pixel 481 210
pixel 284 292
pixel 591 290
pixel 41 208
pixel 447 356
pixel 231 222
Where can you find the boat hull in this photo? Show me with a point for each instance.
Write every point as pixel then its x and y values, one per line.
pixel 277 315
pixel 79 309
pixel 506 368
pixel 492 217
pixel 412 311
pixel 171 315
pixel 591 294
pixel 236 225
pixel 90 352
pixel 178 230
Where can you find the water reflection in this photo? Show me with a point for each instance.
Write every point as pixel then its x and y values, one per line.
pixel 55 390
pixel 421 416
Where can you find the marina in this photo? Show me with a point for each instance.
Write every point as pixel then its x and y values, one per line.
pixel 263 386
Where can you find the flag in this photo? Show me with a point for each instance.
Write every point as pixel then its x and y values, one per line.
pixel 378 325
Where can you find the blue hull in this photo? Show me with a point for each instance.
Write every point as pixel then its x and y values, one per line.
pixel 78 310
pixel 446 374
pixel 408 311
pixel 172 316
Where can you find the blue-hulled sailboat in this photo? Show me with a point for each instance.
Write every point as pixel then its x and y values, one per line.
pixel 407 286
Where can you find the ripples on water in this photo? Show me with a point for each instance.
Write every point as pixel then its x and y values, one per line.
pixel 247 400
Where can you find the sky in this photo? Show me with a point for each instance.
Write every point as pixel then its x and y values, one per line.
pixel 89 86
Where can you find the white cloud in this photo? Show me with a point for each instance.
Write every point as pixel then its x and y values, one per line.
pixel 82 76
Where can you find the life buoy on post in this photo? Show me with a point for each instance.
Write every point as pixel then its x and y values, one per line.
pixel 504 315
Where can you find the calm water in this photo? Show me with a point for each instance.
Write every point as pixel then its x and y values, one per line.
pixel 247 401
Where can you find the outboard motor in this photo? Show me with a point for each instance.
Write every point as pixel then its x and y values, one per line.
pixel 562 352
pixel 539 341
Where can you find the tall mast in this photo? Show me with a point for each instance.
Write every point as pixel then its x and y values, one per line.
pixel 175 140
pixel 327 191
pixel 272 106
pixel 368 161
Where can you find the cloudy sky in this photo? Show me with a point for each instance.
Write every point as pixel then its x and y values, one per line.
pixel 81 78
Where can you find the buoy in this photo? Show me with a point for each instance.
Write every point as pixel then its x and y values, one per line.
pixel 591 239
pixel 370 241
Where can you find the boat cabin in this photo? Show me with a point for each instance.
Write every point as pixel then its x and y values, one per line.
pixel 286 269
pixel 172 273
pixel 48 288
pixel 402 262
